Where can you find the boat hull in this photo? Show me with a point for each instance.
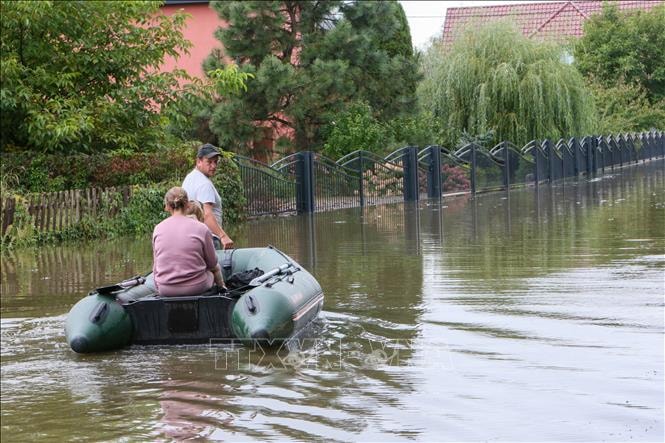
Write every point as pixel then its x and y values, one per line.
pixel 274 307
pixel 98 323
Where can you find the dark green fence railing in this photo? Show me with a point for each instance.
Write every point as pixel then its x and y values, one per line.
pixel 307 182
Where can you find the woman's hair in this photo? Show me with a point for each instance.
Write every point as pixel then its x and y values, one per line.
pixel 176 198
pixel 194 210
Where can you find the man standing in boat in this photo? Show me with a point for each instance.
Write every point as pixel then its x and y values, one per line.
pixel 199 187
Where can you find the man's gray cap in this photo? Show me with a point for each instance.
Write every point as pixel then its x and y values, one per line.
pixel 208 151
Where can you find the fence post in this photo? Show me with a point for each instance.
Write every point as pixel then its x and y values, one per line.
pixel 536 163
pixel 599 154
pixel 594 154
pixel 361 184
pixel 473 168
pixel 576 156
pixel 620 150
pixel 305 182
pixel 646 147
pixel 547 147
pixel 589 160
pixel 506 166
pixel 410 163
pixel 631 148
pixel 8 210
pixel 434 172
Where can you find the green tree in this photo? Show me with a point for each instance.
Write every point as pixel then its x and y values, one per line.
pixel 84 76
pixel 625 108
pixel 495 80
pixel 383 64
pixel 355 129
pixel 626 47
pixel 310 60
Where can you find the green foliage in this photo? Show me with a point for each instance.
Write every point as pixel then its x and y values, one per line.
pixel 486 140
pixel 194 103
pixel 20 232
pixel 622 55
pixel 84 76
pixel 309 60
pixel 495 79
pixel 626 108
pixel 356 129
pixel 139 216
pixel 625 47
pixel 24 174
pixel 420 129
pixel 144 210
pixel 383 64
pixel 50 172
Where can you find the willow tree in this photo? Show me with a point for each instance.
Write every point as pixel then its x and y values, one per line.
pixel 493 80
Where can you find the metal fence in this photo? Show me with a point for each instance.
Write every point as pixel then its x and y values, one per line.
pixel 309 182
pixel 267 190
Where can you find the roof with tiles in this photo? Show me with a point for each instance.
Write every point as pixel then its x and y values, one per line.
pixel 552 20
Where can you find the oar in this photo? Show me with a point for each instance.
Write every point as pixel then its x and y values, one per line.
pixel 268 275
pixel 286 268
pixel 125 284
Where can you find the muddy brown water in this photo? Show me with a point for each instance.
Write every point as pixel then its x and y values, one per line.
pixel 521 316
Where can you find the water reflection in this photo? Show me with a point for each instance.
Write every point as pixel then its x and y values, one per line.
pixel 49 280
pixel 534 314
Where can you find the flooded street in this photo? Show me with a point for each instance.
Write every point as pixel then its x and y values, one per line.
pixel 534 315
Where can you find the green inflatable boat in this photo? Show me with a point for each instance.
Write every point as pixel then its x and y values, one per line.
pixel 275 305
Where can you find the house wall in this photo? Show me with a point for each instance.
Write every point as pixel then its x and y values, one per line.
pixel 200 30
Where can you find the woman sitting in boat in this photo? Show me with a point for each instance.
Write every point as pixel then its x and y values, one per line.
pixel 184 259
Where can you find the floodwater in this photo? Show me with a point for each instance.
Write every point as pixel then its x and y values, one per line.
pixel 521 316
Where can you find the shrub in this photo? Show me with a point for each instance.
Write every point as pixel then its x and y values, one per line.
pixel 50 173
pixel 149 174
pixel 419 130
pixel 455 178
pixel 356 129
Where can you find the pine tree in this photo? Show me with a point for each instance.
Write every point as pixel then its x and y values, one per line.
pixel 310 59
pixel 384 64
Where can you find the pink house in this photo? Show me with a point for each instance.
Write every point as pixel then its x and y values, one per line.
pixel 200 30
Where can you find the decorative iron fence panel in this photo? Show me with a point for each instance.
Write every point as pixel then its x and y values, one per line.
pixel 382 180
pixel 534 152
pixel 567 158
pixel 335 186
pixel 555 157
pixel 267 190
pixel 518 169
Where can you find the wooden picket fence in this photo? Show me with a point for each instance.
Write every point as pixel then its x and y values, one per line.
pixel 55 211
